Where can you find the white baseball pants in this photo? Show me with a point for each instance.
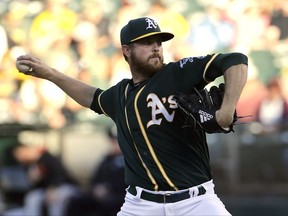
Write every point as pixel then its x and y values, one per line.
pixel 199 205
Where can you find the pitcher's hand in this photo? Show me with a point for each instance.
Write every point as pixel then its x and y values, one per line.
pixel 37 67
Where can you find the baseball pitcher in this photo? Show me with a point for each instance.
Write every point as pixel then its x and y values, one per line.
pixel 162 115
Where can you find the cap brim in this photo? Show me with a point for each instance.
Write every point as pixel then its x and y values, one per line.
pixel 164 35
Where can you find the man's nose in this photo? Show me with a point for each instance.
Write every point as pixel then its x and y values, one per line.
pixel 156 45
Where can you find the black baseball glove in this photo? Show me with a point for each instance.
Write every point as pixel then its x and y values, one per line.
pixel 200 108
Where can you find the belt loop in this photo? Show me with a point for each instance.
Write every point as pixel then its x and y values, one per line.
pixel 193 191
pixel 138 193
pixel 209 186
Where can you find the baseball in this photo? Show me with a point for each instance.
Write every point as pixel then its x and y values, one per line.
pixel 22 67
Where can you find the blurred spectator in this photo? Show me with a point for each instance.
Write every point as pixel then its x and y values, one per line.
pixel 51 185
pixel 4 42
pixel 55 22
pixel 252 20
pixel 107 189
pixel 273 110
pixel 215 28
pixel 16 21
pixel 280 19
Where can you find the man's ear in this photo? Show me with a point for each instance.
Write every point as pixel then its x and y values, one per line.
pixel 126 51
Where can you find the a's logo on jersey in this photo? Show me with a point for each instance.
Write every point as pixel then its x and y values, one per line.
pixel 151 23
pixel 158 110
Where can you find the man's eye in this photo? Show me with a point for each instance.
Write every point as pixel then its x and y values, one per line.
pixel 147 42
pixel 150 42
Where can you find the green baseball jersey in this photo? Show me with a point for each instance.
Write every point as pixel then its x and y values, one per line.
pixel 160 152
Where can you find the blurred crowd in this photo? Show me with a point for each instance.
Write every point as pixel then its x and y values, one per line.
pixel 40 184
pixel 81 39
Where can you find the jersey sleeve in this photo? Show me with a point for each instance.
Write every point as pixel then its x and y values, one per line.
pixel 190 72
pixel 104 102
pixel 107 101
pixel 199 71
pixel 96 105
pixel 221 62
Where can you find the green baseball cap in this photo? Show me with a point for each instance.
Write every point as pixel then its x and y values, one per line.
pixel 141 28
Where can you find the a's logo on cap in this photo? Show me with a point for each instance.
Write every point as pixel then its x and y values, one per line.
pixel 151 23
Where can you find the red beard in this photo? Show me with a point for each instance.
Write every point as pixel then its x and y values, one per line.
pixel 149 67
